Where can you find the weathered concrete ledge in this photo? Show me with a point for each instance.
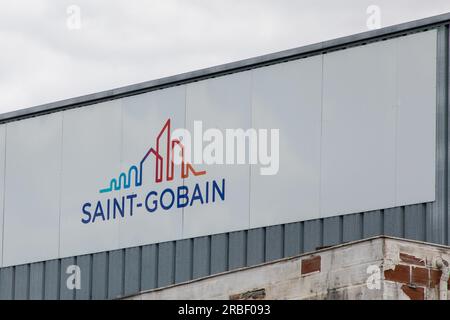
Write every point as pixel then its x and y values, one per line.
pixel 376 268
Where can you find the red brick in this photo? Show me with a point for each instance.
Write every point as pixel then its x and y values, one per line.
pixel 399 274
pixel 435 277
pixel 412 259
pixel 419 276
pixel 414 293
pixel 311 265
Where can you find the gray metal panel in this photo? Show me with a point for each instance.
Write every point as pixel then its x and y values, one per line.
pixel 359 129
pixel 37 281
pixel 64 292
pixel 416 118
pixel 21 282
pixel 51 285
pixel 237 250
pixel 372 223
pixel 149 269
pixel 183 260
pixel 256 244
pixel 219 253
pixel 7 283
pixel 293 239
pixel 312 235
pixel 394 223
pixel 89 131
pixel 220 103
pixel 288 97
pixel 99 275
pixel 2 184
pixel 201 257
pixel 415 222
pixel 352 226
pixel 132 270
pixel 33 168
pixel 143 117
pixel 116 274
pixel 274 242
pixel 332 231
pixel 85 264
pixel 166 263
pixel 438 216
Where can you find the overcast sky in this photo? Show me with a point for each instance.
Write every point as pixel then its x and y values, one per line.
pixel 53 50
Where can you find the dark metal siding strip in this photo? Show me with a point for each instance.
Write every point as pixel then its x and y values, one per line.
pixel 21 282
pixel 183 260
pixel 292 239
pixel 312 235
pixel 64 292
pixel 132 279
pixel 37 281
pixel 115 274
pixel 372 223
pixel 85 264
pixel 332 231
pixel 274 242
pixel 415 222
pixel 149 267
pixel 256 245
pixel 202 257
pixel 52 280
pixel 437 216
pixel 237 250
pixel 352 226
pixel 166 263
pixel 394 222
pixel 7 283
pixel 219 253
pixel 99 275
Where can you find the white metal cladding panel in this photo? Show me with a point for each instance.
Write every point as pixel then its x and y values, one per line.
pixel 33 184
pixel 358 142
pixel 91 157
pixel 416 120
pixel 2 183
pixel 287 96
pixel 221 103
pixel 143 118
pixel 379 107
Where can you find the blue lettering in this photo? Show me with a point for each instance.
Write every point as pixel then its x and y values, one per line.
pixel 168 190
pixel 183 196
pixel 98 212
pixel 219 191
pixel 155 203
pixel 87 213
pixel 196 195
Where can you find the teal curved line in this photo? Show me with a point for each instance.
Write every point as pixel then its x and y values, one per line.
pixel 124 181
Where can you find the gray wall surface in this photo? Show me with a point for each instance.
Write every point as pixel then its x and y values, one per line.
pixel 112 274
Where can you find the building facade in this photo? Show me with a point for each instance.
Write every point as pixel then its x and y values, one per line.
pixel 363 151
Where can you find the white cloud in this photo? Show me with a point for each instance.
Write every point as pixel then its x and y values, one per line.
pixel 123 42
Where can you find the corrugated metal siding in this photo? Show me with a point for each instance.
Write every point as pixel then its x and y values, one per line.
pixel 113 274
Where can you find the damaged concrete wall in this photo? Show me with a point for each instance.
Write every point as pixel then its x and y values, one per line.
pixel 377 268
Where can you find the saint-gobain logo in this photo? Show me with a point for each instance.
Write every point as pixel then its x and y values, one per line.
pixel 163 154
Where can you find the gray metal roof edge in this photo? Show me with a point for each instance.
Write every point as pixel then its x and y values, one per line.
pixel 231 67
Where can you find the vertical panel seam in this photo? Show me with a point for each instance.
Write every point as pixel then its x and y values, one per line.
pixel 4 200
pixel 60 183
